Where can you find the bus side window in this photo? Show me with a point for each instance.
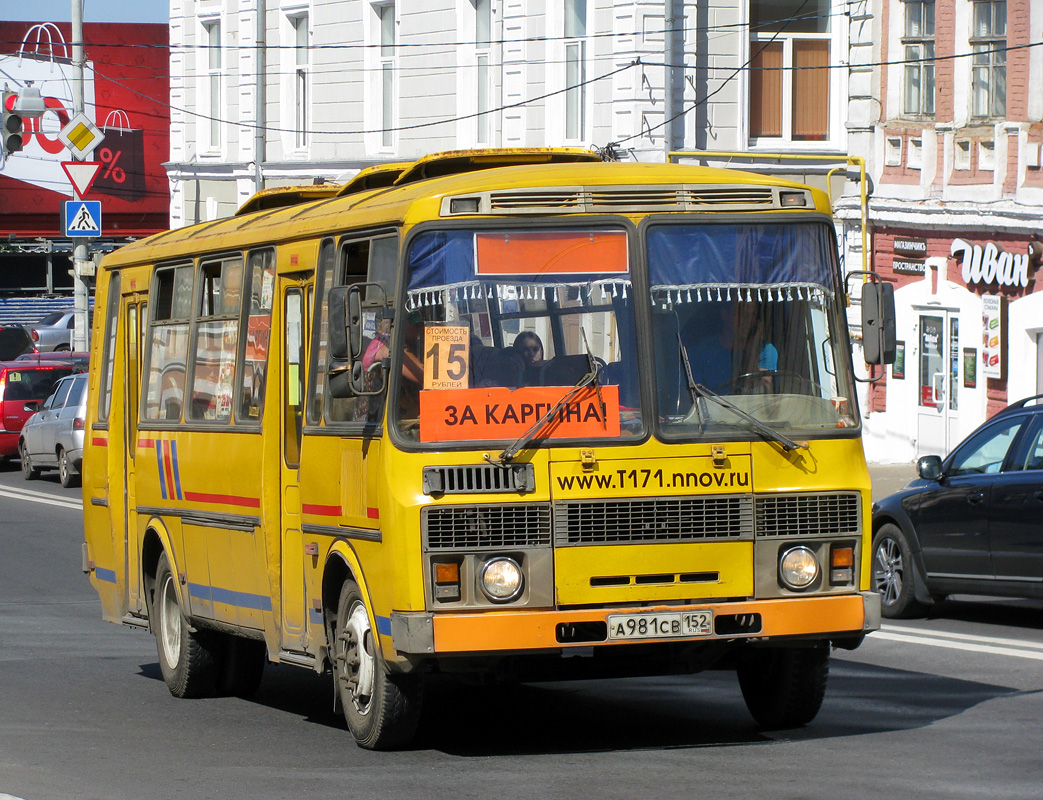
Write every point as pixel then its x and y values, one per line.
pixel 294 388
pixel 109 356
pixel 320 337
pixel 168 343
pixel 361 259
pixel 260 288
pixel 217 339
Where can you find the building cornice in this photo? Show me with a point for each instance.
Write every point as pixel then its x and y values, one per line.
pixel 1002 215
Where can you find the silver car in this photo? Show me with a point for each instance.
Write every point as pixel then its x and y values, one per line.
pixel 54 332
pixel 53 436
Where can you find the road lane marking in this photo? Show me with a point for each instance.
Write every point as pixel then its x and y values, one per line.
pixel 40 497
pixel 953 644
pixel 969 637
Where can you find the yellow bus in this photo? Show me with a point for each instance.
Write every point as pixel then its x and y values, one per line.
pixel 513 414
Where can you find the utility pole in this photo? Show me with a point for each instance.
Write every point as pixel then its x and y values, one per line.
pixel 670 53
pixel 79 255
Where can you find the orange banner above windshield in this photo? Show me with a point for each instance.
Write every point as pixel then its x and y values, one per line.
pixel 551 253
pixel 476 414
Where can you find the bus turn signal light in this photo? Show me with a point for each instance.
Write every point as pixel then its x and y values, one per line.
pixel 447 581
pixel 841 564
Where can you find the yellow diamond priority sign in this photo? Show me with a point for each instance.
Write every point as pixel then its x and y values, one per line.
pixel 81 135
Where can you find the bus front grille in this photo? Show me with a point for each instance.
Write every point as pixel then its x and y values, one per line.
pixel 667 519
pixel 476 527
pixel 812 514
pixel 479 479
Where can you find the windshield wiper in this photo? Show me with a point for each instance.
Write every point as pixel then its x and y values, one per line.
pixel 693 391
pixel 766 430
pixel 523 440
pixel 593 367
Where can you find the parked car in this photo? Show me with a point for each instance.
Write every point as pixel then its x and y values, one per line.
pixel 53 436
pixel 14 341
pixel 971 523
pixel 23 384
pixel 80 360
pixel 54 331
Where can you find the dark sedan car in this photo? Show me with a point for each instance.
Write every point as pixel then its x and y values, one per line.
pixel 971 524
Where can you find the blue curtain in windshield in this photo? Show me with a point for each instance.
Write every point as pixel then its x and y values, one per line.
pixel 442 258
pixel 722 255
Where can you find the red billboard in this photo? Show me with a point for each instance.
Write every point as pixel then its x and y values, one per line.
pixel 126 95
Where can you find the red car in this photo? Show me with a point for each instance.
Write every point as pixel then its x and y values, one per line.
pixel 23 382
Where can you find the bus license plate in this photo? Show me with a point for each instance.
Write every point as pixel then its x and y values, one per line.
pixel 660 625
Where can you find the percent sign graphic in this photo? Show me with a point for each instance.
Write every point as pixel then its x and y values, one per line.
pixel 110 158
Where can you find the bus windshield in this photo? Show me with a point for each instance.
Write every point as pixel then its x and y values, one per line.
pixel 747 313
pixel 501 325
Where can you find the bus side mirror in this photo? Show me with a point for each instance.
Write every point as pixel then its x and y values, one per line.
pixel 878 323
pixel 338 323
pixel 348 311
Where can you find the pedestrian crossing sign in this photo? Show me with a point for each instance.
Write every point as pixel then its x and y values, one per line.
pixel 82 218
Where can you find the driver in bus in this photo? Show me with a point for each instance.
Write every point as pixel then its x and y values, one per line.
pixel 726 359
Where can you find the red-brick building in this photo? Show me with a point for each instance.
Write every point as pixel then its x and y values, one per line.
pixel 127 95
pixel 947 109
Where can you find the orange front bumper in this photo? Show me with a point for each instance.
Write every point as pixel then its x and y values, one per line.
pixel 497 631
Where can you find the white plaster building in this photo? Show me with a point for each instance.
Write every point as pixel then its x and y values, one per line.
pixel 271 92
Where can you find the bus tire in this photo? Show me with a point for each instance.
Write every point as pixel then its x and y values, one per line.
pixel 382 710
pixel 186 658
pixel 241 666
pixel 784 686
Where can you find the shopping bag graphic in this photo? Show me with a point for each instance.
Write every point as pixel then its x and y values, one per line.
pixel 43 60
pixel 122 157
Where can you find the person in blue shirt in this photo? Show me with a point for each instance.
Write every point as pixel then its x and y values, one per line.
pixel 725 355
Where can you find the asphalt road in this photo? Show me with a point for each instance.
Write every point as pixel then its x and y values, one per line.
pixel 947 707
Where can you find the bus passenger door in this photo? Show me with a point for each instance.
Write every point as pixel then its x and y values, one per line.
pixel 134 309
pixel 293 629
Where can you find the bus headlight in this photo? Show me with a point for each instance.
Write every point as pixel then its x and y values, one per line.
pixel 501 579
pixel 798 568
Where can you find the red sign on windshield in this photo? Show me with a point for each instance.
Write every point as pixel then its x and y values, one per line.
pixel 477 414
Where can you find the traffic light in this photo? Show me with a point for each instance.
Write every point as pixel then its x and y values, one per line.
pixel 12 124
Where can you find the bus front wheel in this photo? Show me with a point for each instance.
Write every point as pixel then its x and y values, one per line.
pixel 185 657
pixel 784 686
pixel 382 710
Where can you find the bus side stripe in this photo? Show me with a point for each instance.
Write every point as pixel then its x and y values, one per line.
pixel 169 470
pixel 176 470
pixel 222 499
pixel 230 597
pixel 162 472
pixel 320 510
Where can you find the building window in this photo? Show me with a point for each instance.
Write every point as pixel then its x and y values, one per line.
pixel 575 69
pixel 962 154
pixel 789 70
pixel 386 16
pixel 482 44
pixel 300 80
pixel 212 37
pixel 893 151
pixel 989 64
pixel 918 44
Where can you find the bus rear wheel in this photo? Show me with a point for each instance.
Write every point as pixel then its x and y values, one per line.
pixel 784 686
pixel 186 658
pixel 382 710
